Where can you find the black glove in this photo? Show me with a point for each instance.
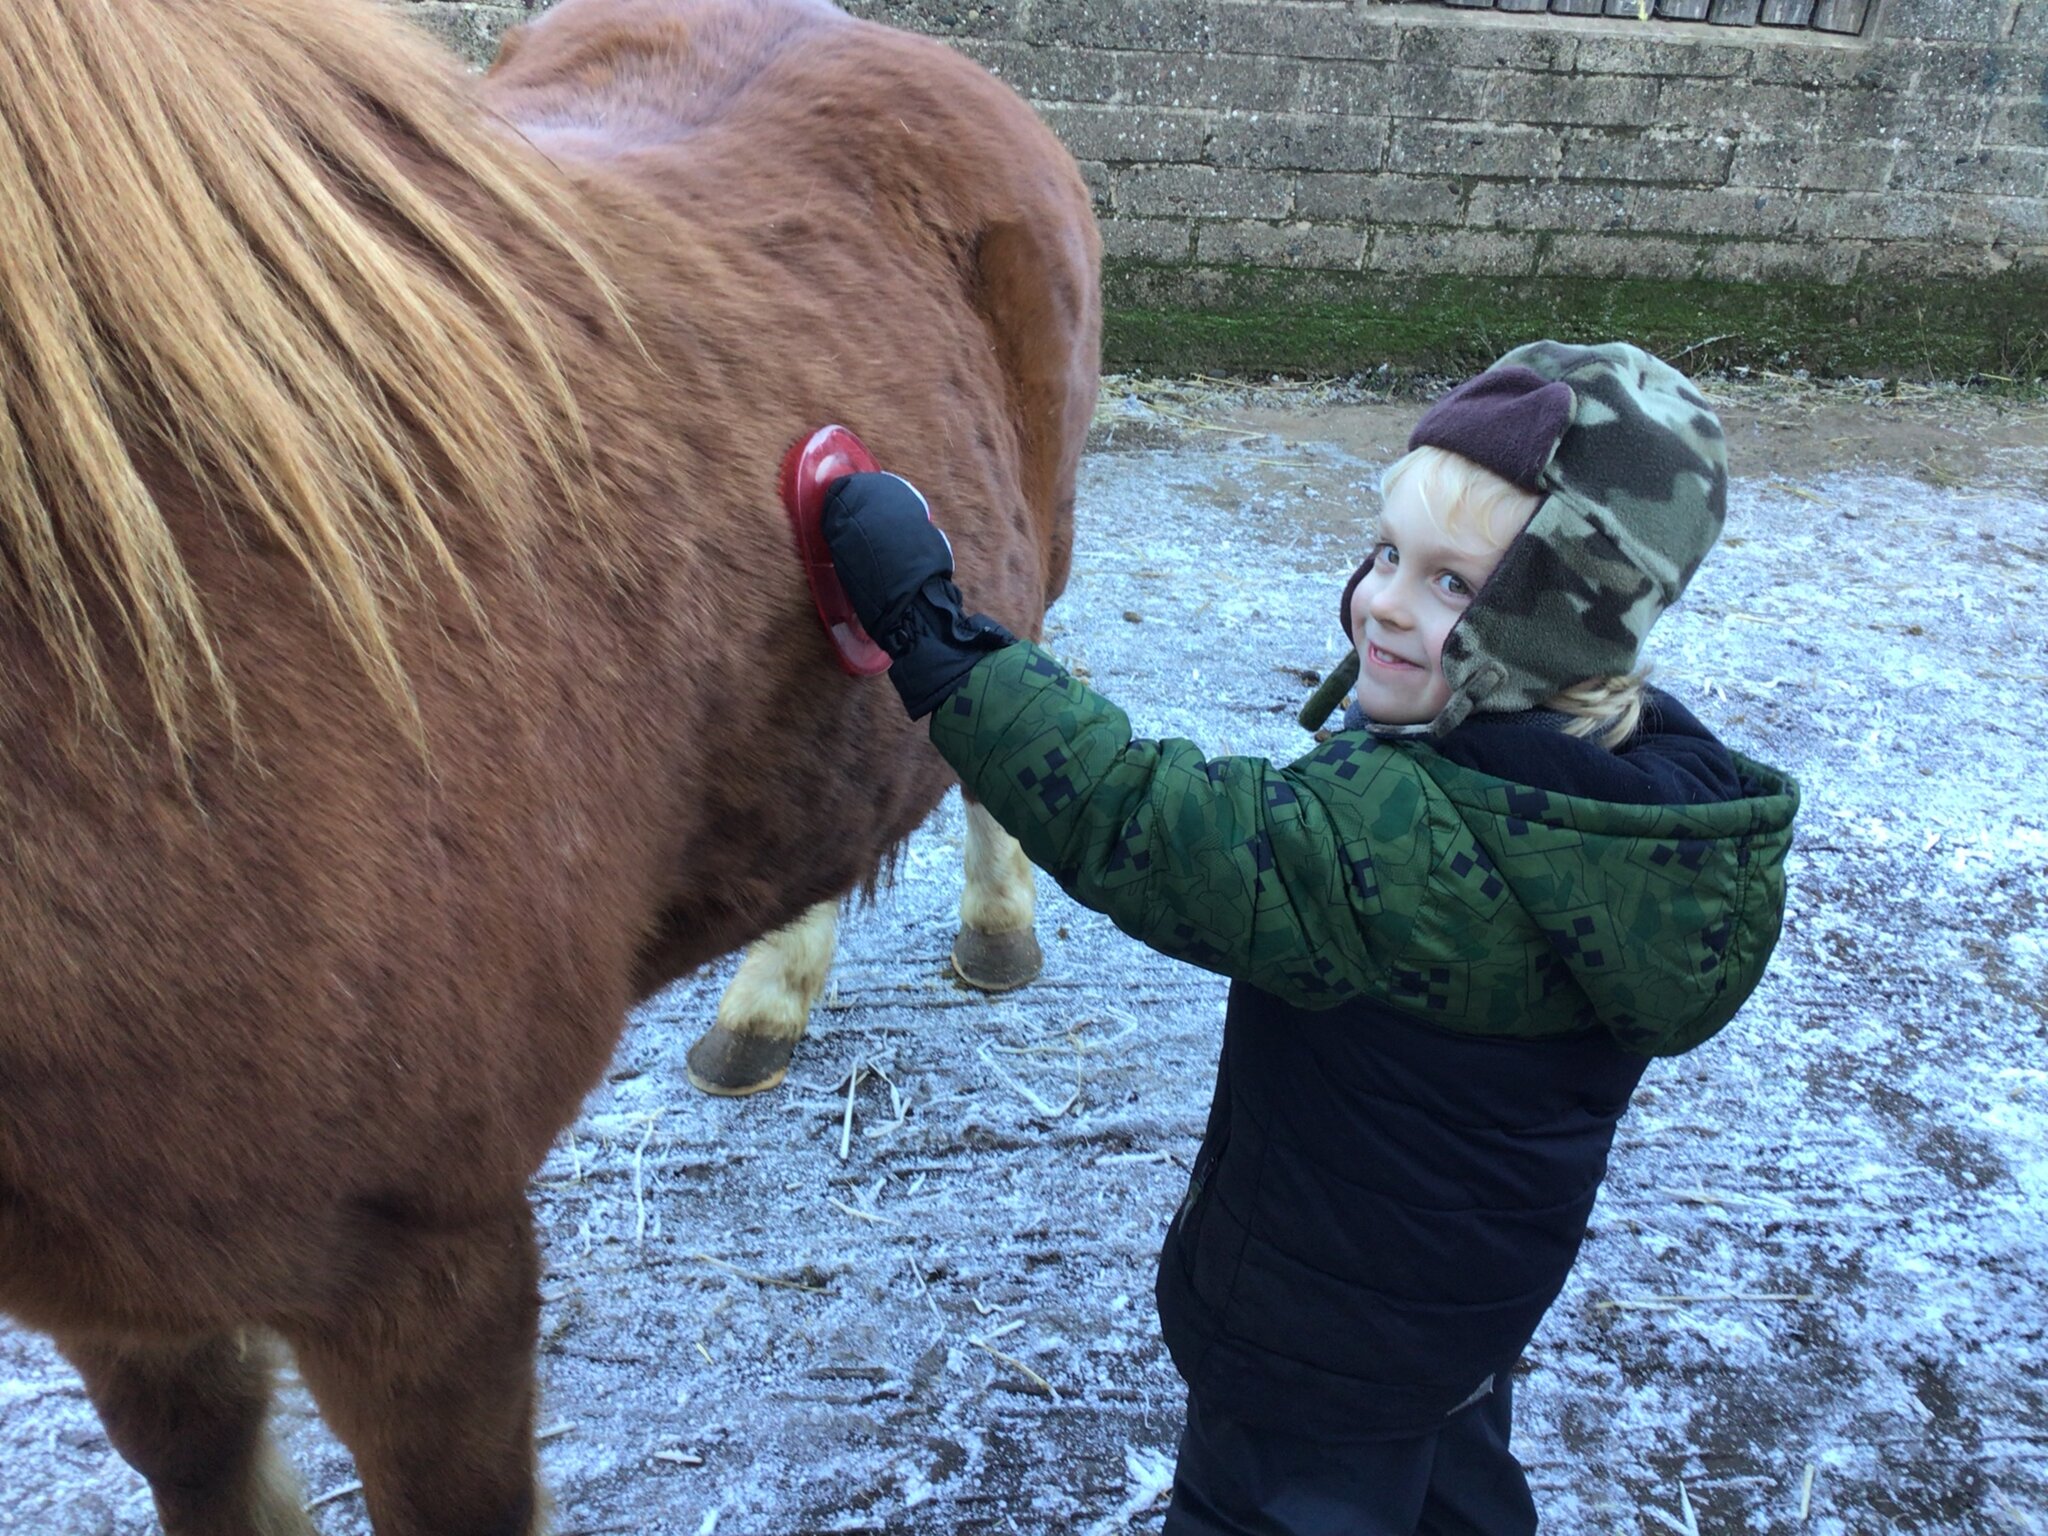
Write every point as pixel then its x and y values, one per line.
pixel 897 568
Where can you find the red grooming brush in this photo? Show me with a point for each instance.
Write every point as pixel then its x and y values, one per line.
pixel 810 466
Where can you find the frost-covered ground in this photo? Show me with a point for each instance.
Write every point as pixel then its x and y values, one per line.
pixel 910 1291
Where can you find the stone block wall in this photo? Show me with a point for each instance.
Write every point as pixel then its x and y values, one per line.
pixel 1419 138
pixel 1324 149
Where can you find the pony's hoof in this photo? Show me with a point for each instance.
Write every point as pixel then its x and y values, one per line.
pixel 997 962
pixel 732 1065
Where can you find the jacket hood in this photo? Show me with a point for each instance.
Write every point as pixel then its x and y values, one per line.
pixel 1654 922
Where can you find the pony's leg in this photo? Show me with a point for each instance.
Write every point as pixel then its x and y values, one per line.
pixel 429 1379
pixel 996 950
pixel 764 1010
pixel 189 1415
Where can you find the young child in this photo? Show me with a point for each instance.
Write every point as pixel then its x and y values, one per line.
pixel 1458 929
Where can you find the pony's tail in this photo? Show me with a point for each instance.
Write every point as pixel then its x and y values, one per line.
pixel 245 239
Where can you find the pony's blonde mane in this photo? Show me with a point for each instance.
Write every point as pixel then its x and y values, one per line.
pixel 229 246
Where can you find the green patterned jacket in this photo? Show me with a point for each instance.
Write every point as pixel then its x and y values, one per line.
pixel 1383 869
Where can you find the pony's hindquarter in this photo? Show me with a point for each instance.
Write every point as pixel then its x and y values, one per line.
pixel 878 233
pixel 920 260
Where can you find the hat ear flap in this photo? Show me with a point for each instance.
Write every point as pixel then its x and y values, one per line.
pixel 1330 692
pixel 1344 602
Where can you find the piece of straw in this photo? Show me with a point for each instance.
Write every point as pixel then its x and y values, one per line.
pixel 1029 1374
pixel 854 1210
pixel 331 1495
pixel 846 1124
pixel 639 1195
pixel 747 1274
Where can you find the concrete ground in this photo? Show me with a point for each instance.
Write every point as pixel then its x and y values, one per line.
pixel 910 1290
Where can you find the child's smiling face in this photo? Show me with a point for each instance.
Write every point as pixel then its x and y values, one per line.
pixel 1419 584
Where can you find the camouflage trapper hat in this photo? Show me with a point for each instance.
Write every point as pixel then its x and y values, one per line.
pixel 1635 488
pixel 1630 462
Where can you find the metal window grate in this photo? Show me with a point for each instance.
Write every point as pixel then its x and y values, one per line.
pixel 1837 16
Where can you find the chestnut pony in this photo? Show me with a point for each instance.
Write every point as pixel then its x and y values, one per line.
pixel 404 667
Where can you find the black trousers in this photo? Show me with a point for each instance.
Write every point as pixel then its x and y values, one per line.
pixel 1459 1480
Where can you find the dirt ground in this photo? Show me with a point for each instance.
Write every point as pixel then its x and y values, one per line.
pixel 910 1290
pixel 1778 428
pixel 1945 438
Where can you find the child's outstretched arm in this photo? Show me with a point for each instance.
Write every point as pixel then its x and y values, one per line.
pixel 1303 880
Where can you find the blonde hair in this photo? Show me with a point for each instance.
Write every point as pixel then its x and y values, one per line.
pixel 233 240
pixel 1469 503
pixel 1607 709
pixel 1478 509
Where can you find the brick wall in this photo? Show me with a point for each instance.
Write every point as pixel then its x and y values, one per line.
pixel 1407 138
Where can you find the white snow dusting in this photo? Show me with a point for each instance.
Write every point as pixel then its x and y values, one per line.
pixel 1813 1296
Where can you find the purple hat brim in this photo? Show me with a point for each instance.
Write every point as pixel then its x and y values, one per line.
pixel 1508 420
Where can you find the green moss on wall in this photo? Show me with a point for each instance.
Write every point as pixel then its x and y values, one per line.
pixel 1261 321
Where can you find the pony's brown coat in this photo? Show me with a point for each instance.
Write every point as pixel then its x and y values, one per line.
pixel 465 683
